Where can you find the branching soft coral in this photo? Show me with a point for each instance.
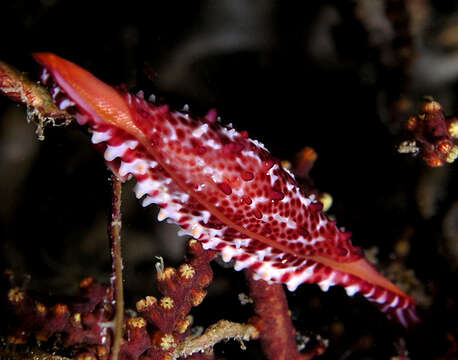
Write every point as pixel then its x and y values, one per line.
pixel 432 134
pixel 83 321
pixel 182 289
pixel 159 332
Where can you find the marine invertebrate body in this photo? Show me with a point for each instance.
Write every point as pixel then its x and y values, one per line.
pixel 221 187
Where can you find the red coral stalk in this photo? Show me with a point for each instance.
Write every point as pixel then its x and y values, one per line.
pixel 277 334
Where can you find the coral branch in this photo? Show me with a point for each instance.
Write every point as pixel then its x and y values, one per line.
pixel 83 324
pixel 80 321
pixel 276 331
pixel 114 230
pixel 182 288
pixel 18 87
pixel 222 330
pixel 432 134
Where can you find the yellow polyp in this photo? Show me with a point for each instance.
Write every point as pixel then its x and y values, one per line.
pixel 453 129
pixel 411 122
pixel 326 200
pixel 40 308
pixel 167 342
pixel 101 351
pixel 402 248
pixel 145 303
pixel 76 318
pixel 166 302
pixel 432 106
pixel 286 164
pixel 140 305
pixel 308 154
pixel 193 244
pixel 197 296
pixel 186 271
pixel 452 155
pixel 136 322
pixel 183 324
pixel 150 300
pixel 60 309
pixel 15 295
pixel 166 274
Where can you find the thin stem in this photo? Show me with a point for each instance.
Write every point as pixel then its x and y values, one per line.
pixel 114 232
